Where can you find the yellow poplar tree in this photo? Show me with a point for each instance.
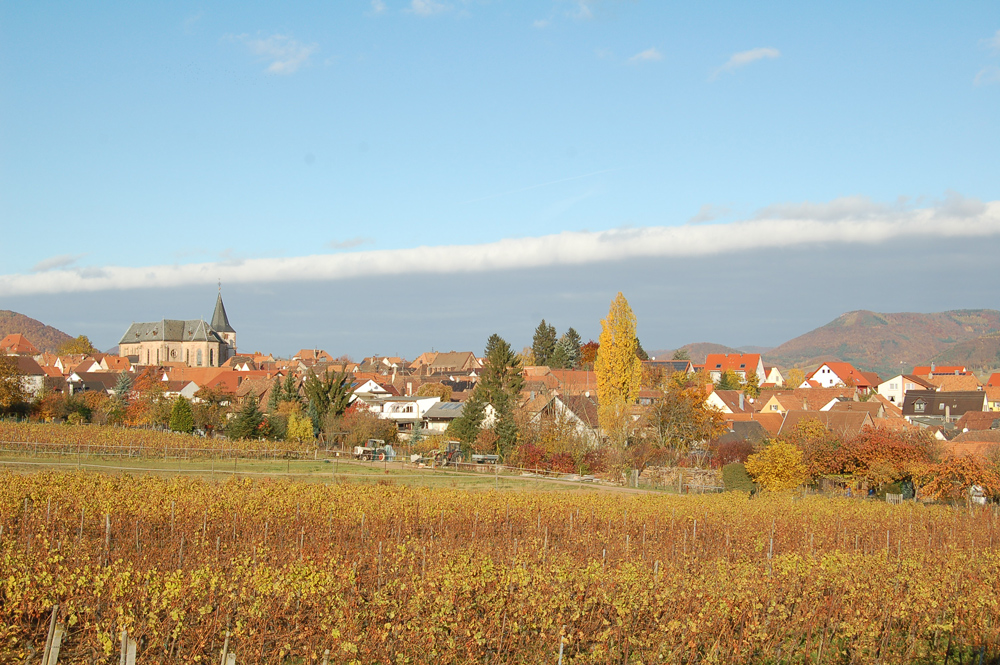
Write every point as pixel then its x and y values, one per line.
pixel 618 369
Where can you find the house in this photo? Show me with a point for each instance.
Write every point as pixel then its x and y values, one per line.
pixel 805 399
pixel 845 424
pixel 874 408
pixel 32 374
pixel 668 368
pixel 443 363
pixel 950 383
pixel 992 398
pixel 833 374
pixel 729 401
pixel 17 344
pixel 79 382
pixel 742 430
pixel 440 415
pixel 978 420
pixel 773 377
pixel 741 364
pixel 993 381
pixel 580 411
pixel 927 371
pixel 406 412
pixel 895 388
pixel 942 406
pixel 310 357
pixel 771 422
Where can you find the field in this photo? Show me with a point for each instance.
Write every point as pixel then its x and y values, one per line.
pixel 396 574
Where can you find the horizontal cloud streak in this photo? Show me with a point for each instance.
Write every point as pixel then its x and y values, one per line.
pixel 857 224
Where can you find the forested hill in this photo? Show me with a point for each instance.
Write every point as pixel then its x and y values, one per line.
pixel 45 338
pixel 893 343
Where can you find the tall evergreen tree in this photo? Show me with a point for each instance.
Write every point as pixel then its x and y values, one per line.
pixel 567 351
pixel 639 351
pixel 543 344
pixel 181 416
pixel 246 424
pixel 498 386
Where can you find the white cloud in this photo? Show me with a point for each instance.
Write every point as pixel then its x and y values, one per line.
pixel 284 54
pixel 426 7
pixel 849 221
pixel 744 58
pixel 61 261
pixel 541 23
pixel 378 7
pixel 987 75
pixel 649 55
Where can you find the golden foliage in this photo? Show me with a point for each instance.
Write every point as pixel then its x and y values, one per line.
pixel 778 466
pixel 618 369
pixel 392 575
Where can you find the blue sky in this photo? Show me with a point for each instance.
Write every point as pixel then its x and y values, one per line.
pixel 190 141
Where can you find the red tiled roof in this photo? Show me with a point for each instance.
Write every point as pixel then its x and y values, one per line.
pixel 18 344
pixel 737 362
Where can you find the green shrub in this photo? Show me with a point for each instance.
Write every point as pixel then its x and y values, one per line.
pixel 735 477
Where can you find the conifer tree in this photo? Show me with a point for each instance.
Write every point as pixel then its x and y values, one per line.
pixel 543 344
pixel 181 416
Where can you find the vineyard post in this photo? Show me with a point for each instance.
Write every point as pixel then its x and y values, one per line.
pixel 561 640
pixel 326 657
pixel 48 639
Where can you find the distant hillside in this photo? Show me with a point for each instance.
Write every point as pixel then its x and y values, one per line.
pixel 886 343
pixel 696 351
pixel 979 354
pixel 45 338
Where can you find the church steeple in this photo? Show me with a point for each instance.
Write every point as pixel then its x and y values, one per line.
pixel 220 322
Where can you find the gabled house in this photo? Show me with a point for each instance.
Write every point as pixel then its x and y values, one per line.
pixel 831 374
pixel 17 344
pixel 579 410
pixel 845 424
pixel 32 374
pixel 773 377
pixel 741 364
pixel 730 401
pixel 895 388
pixel 805 399
pixel 927 371
pixel 944 406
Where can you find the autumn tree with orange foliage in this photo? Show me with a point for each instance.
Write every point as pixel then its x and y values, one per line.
pixel 879 456
pixel 821 448
pixel 588 354
pixel 147 404
pixel 680 418
pixel 952 478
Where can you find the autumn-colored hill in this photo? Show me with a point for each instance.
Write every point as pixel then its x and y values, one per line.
pixel 696 351
pixel 887 343
pixel 979 355
pixel 45 338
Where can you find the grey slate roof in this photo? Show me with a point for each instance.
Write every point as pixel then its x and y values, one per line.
pixel 444 411
pixel 220 322
pixel 170 330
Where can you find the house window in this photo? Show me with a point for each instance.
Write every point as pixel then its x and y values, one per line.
pixel 919 406
pixel 211 357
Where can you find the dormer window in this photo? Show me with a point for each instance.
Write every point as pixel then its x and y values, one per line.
pixel 919 406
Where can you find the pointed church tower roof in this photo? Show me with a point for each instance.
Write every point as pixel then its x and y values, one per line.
pixel 220 322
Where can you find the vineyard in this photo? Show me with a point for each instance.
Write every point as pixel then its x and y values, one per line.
pixel 135 442
pixel 390 574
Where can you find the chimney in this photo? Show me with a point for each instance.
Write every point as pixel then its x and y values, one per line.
pixel 947 413
pixel 956 372
pixel 805 404
pixel 932 367
pixel 741 401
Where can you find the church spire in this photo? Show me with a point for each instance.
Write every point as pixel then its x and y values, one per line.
pixel 220 322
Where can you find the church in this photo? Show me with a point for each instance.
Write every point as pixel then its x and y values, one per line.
pixel 192 342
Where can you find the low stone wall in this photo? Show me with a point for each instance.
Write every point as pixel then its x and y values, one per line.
pixel 695 479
